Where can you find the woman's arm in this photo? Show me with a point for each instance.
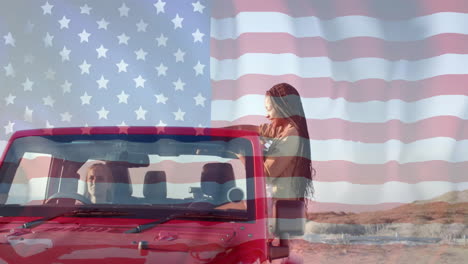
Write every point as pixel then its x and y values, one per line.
pixel 244 127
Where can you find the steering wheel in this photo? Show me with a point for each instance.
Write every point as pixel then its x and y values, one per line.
pixel 74 196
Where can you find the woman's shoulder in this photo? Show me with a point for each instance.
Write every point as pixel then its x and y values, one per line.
pixel 290 130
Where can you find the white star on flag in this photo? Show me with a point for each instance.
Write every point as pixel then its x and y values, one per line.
pixel 66 117
pixel 179 85
pixel 197 36
pixel 66 87
pixel 199 100
pixel 10 99
pixel 123 97
pixel 102 24
pixel 86 130
pixel 199 68
pixel 198 7
pixel 123 39
pixel 141 26
pixel 139 82
pixel 179 56
pixel 160 98
pixel 47 8
pixel 141 54
pixel 101 52
pixel 50 74
pixel 123 128
pixel 28 114
pixel 85 9
pixel 123 10
pixel 85 99
pixel 48 101
pixel 162 40
pixel 9 70
pixel 9 40
pixel 48 40
pixel 140 113
pixel 159 6
pixel 161 69
pixel 102 113
pixel 9 128
pixel 84 36
pixel 64 22
pixel 161 124
pixel 177 21
pixel 85 67
pixel 27 85
pixel 122 66
pixel 49 125
pixel 179 115
pixel 102 82
pixel 65 54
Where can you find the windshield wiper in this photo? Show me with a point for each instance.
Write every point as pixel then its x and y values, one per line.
pixel 94 212
pixel 143 227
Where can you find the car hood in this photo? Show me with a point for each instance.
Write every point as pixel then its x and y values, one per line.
pixel 73 243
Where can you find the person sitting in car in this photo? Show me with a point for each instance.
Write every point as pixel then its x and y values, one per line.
pixel 99 184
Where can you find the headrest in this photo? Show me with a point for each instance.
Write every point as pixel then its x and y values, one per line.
pixel 216 177
pixel 122 182
pixel 155 186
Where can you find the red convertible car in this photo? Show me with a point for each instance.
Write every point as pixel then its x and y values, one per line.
pixel 139 195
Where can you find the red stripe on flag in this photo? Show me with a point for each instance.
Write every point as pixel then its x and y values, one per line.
pixel 359 91
pixel 415 172
pixel 439 126
pixel 388 10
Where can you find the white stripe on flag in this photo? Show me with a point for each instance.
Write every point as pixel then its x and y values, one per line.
pixel 364 112
pixel 351 70
pixel 341 27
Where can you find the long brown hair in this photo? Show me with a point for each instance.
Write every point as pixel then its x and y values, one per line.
pixel 287 102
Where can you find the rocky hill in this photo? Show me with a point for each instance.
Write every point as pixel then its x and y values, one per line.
pixel 448 208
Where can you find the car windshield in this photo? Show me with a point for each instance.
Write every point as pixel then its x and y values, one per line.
pixel 135 172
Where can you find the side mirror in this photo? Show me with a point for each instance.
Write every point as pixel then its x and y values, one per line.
pixel 290 217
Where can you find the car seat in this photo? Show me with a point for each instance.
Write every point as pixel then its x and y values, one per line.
pixel 122 184
pixel 216 180
pixel 155 187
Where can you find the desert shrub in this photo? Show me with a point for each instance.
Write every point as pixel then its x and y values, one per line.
pixel 325 228
pixel 434 230
pixel 375 229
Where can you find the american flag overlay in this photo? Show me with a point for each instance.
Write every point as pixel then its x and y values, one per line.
pixel 383 83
